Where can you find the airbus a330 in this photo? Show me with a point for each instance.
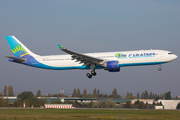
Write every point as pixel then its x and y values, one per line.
pixel 110 61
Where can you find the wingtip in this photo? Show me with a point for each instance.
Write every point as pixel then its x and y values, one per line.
pixel 60 46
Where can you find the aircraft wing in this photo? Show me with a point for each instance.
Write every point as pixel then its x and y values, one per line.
pixel 87 60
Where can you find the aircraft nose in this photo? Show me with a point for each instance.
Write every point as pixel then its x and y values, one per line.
pixel 176 56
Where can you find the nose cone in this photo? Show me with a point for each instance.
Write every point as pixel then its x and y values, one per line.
pixel 174 57
pixel 171 57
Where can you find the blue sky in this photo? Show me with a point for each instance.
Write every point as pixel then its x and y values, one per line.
pixel 91 26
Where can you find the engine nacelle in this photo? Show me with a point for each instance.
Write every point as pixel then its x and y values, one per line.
pixel 112 66
pixel 115 70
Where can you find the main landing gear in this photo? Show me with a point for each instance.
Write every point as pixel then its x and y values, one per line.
pixel 160 68
pixel 92 71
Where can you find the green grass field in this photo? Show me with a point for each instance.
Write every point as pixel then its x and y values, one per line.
pixel 87 114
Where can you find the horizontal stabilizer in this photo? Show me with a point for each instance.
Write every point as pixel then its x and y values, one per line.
pixel 21 60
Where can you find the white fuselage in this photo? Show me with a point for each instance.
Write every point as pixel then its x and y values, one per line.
pixel 125 58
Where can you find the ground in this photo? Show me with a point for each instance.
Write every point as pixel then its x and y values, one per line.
pixel 87 114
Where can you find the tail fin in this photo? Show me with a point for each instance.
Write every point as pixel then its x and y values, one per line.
pixel 19 50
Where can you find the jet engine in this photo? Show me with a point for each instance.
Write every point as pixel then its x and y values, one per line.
pixel 112 66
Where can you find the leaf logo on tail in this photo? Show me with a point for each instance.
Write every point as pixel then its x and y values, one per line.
pixel 19 51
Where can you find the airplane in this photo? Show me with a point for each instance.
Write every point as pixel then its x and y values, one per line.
pixel 110 61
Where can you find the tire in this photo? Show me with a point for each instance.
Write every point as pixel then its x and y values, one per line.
pixel 159 68
pixel 89 75
pixel 93 73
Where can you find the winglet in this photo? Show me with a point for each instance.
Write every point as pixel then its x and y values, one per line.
pixel 60 47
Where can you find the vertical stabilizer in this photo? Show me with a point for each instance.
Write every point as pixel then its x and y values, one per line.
pixel 19 50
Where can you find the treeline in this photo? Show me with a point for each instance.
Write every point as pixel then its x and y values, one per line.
pixel 29 100
pixel 25 99
pixel 96 94
pixel 7 91
pixel 38 94
pixel 4 103
pixel 145 95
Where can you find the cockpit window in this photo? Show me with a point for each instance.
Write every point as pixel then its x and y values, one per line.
pixel 170 53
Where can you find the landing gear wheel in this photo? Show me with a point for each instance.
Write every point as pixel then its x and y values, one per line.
pixel 93 73
pixel 89 75
pixel 159 68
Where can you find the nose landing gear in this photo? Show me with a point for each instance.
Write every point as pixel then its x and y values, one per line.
pixel 160 68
